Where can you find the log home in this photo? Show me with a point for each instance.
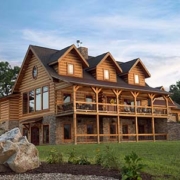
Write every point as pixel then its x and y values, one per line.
pixel 66 96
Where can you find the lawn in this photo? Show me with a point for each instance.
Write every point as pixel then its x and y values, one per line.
pixel 162 159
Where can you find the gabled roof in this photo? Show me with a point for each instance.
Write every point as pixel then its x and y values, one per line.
pixel 56 57
pixel 96 61
pixel 128 66
pixel 47 57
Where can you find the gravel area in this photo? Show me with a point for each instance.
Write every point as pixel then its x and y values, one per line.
pixel 48 176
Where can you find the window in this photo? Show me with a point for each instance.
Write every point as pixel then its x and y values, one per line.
pixel 45 97
pixel 36 100
pixel 34 72
pixel 45 134
pixel 70 69
pixel 136 78
pixel 89 99
pixel 67 131
pixel 31 101
pixel 106 74
pixel 25 103
pixel 67 98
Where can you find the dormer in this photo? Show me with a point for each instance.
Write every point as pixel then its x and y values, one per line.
pixel 104 67
pixel 134 72
pixel 69 62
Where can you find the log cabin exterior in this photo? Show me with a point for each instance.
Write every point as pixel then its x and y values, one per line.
pixel 66 96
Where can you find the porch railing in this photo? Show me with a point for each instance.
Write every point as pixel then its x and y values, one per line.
pixel 111 108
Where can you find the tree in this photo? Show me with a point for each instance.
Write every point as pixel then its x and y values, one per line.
pixel 8 76
pixel 175 90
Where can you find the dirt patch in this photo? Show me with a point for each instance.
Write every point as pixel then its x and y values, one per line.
pixel 77 170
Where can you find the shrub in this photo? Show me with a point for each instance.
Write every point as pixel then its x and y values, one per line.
pixel 107 159
pixel 132 169
pixel 55 157
pixel 72 157
pixel 98 157
pixel 83 160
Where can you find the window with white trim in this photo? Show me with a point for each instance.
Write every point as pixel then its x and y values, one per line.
pixel 70 69
pixel 136 78
pixel 106 74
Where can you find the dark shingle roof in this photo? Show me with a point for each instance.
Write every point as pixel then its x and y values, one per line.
pixel 47 56
pixel 94 61
pixel 126 66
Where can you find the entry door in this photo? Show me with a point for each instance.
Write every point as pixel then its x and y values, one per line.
pixel 35 135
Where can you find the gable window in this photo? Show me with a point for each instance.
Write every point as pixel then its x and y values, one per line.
pixel 34 72
pixel 106 74
pixel 70 69
pixel 136 78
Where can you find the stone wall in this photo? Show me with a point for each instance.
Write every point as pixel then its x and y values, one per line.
pixel 60 121
pixel 173 130
pixel 51 121
pixel 13 124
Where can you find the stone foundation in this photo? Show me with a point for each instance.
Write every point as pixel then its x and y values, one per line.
pixel 173 131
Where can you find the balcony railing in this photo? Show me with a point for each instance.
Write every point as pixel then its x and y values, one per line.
pixel 111 108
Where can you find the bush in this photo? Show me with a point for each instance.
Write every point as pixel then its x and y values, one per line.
pixel 132 169
pixel 98 157
pixel 83 160
pixel 72 157
pixel 107 159
pixel 55 157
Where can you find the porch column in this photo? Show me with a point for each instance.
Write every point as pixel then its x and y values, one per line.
pixel 167 110
pixel 151 96
pixel 136 123
pixel 135 94
pixel 75 88
pixel 97 120
pixel 153 130
pixel 167 106
pixel 117 93
pixel 96 91
pixel 75 128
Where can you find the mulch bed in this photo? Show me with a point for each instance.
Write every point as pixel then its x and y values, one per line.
pixel 77 170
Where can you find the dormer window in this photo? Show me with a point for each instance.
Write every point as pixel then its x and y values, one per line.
pixel 70 69
pixel 106 74
pixel 136 78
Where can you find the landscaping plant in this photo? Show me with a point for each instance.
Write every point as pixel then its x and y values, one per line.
pixel 133 167
pixel 107 159
pixel 55 157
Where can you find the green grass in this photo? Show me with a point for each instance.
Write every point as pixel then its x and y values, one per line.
pixel 162 159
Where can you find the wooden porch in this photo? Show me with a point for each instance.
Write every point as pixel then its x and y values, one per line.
pixel 102 102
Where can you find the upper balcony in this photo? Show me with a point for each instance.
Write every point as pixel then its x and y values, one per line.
pixel 110 109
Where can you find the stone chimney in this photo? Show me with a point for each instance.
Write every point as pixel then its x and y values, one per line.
pixel 84 52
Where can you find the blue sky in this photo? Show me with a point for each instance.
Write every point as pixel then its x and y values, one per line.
pixel 128 29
